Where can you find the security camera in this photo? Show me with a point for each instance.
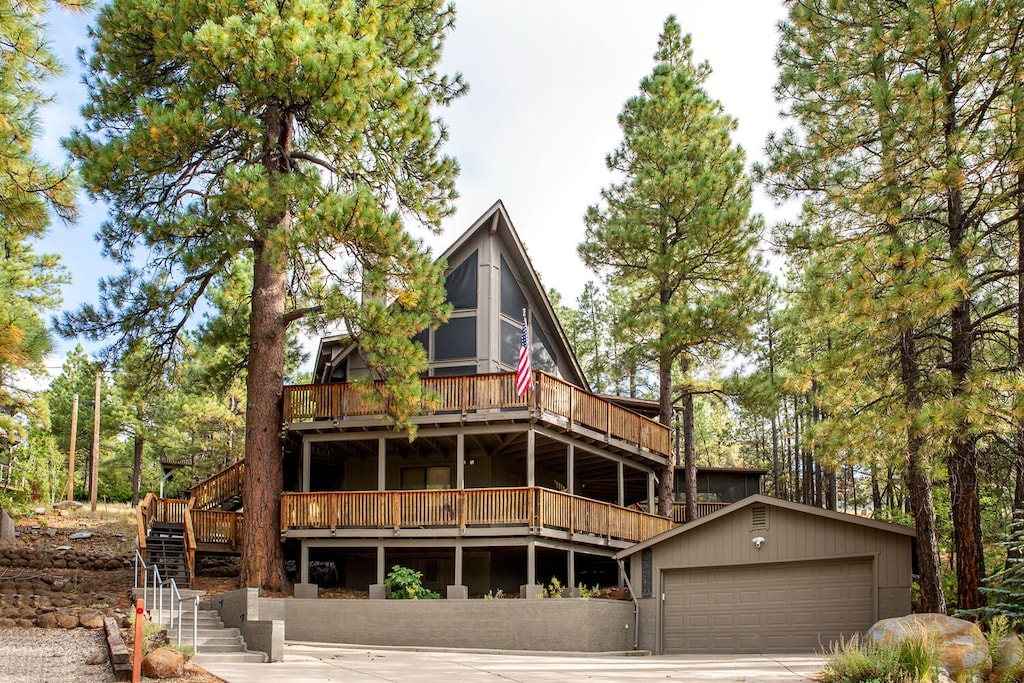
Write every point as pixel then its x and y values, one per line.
pixel 757 541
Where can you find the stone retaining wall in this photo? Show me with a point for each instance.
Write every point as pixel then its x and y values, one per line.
pixel 32 558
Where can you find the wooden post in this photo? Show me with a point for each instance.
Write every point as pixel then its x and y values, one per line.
pixel 71 455
pixel 140 619
pixel 95 459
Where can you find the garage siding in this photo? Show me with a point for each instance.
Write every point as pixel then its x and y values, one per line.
pixel 799 607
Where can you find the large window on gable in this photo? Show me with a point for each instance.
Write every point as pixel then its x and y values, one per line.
pixel 460 284
pixel 455 339
pixel 512 299
pixel 542 354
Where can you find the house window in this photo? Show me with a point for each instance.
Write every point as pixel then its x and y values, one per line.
pixel 454 370
pixel 541 355
pixel 646 573
pixel 456 339
pixel 460 284
pixel 512 300
pixel 420 478
pixel 510 343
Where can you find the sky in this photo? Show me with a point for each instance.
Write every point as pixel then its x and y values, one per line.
pixel 547 80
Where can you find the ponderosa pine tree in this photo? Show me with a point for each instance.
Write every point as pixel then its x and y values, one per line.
pixel 902 158
pixel 299 133
pixel 29 191
pixel 676 232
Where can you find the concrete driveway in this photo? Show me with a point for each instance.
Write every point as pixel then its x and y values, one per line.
pixel 316 662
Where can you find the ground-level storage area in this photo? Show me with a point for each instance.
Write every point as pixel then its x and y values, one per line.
pixel 768 576
pixel 767 607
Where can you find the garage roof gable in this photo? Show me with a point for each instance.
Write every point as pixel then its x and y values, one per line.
pixel 774 502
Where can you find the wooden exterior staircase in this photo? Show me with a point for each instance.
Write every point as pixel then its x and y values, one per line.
pixel 166 537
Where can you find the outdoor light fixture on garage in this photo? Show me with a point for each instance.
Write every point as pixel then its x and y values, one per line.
pixel 757 541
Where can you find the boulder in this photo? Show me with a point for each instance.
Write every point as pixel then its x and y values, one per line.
pixel 7 623
pixel 80 536
pixel 163 663
pixel 1009 655
pixel 6 529
pixel 90 618
pixel 67 619
pixel 961 643
pixel 46 620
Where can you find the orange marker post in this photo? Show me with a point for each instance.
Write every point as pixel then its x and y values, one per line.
pixel 140 619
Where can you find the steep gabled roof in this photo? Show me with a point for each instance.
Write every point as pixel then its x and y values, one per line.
pixel 774 502
pixel 497 221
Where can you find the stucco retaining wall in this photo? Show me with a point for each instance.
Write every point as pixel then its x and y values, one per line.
pixel 568 624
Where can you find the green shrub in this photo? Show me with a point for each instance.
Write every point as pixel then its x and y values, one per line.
pixel 553 589
pixel 912 660
pixel 495 595
pixel 585 592
pixel 406 584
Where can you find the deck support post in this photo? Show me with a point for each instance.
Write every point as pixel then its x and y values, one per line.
pixel 460 463
pixel 306 457
pixel 650 493
pixel 621 477
pixel 531 465
pixel 570 469
pixel 571 571
pixel 382 451
pixel 380 563
pixel 458 564
pixel 531 563
pixel 303 561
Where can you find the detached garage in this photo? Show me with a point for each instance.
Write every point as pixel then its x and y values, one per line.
pixel 767 575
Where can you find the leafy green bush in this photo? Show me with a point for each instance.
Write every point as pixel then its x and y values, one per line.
pixel 553 589
pixel 914 659
pixel 406 584
pixel 585 592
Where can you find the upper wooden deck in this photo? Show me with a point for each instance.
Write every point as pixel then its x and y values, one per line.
pixel 548 398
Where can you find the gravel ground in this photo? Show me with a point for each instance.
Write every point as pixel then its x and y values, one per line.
pixel 36 655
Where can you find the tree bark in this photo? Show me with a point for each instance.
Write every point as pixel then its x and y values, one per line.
pixel 919 484
pixel 262 557
pixel 666 475
pixel 140 442
pixel 689 458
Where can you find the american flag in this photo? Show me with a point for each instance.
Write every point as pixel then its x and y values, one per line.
pixel 523 368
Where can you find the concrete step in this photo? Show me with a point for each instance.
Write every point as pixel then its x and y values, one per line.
pixel 247 657
pixel 209 644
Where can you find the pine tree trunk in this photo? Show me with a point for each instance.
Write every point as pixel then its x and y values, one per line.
pixel 919 485
pixel 666 475
pixel 1013 551
pixel 689 458
pixel 140 443
pixel 262 557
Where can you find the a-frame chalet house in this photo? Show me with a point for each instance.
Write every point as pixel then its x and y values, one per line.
pixel 497 490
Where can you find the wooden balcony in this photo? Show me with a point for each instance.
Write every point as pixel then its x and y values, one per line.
pixel 221 487
pixel 461 396
pixel 527 510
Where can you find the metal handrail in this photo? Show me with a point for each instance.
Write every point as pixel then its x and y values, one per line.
pixel 158 597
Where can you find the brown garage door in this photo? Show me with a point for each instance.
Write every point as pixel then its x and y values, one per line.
pixel 798 607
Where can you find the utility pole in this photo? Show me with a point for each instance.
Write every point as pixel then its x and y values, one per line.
pixel 71 456
pixel 94 479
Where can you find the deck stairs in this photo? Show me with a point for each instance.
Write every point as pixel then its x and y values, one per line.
pixel 165 547
pixel 214 641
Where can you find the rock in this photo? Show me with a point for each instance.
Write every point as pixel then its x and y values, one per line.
pixel 1009 655
pixel 90 618
pixel 962 645
pixel 67 505
pixel 67 619
pixel 6 529
pixel 163 663
pixel 79 536
pixel 63 547
pixel 25 623
pixel 51 532
pixel 39 511
pixel 46 621
pixel 96 659
pixel 7 623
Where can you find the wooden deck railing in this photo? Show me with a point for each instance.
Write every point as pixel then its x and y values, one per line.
pixel 472 393
pixel 218 527
pixel 529 507
pixel 679 510
pixel 222 486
